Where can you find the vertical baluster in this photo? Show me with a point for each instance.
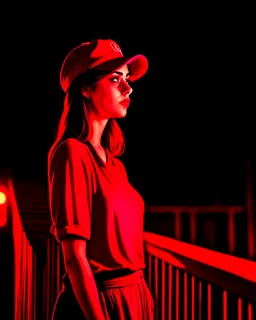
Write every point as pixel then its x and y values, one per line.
pixel 20 278
pixel 163 296
pixel 29 287
pixel 225 305
pixel 47 279
pixel 177 293
pixel 24 274
pixel 193 298
pixel 185 296
pixel 239 309
pixel 170 292
pixel 156 286
pixel 200 300
pixel 250 312
pixel 34 295
pixel 44 307
pixel 209 302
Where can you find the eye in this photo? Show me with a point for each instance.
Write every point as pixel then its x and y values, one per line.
pixel 119 79
pixel 115 79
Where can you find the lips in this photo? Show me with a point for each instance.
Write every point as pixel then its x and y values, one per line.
pixel 125 102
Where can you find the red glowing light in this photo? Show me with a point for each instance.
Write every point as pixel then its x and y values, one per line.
pixel 2 197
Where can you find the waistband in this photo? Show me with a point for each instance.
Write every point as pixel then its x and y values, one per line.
pixel 120 281
pixel 113 279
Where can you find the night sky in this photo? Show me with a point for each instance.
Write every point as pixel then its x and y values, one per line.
pixel 190 125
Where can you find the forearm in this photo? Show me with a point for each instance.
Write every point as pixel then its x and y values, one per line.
pixel 84 288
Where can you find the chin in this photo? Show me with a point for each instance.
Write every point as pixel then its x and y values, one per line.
pixel 122 114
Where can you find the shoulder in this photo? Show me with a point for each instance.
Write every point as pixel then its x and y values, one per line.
pixel 70 147
pixel 70 150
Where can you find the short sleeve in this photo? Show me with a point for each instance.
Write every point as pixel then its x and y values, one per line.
pixel 70 190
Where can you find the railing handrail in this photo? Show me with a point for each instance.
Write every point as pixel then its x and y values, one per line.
pixel 194 209
pixel 232 274
pixel 240 267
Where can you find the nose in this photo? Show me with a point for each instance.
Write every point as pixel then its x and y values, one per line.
pixel 127 89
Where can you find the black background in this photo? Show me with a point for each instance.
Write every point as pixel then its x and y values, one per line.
pixel 190 126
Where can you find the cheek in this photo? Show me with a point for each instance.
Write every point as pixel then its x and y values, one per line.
pixel 106 97
pixel 97 98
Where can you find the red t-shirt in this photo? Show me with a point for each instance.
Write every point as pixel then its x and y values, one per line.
pixel 94 200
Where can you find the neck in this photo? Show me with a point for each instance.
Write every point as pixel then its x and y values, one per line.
pixel 97 131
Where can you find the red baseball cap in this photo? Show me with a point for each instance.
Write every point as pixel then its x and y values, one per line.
pixel 102 55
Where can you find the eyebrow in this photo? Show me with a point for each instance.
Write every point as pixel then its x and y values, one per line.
pixel 121 73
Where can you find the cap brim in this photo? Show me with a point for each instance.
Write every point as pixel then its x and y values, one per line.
pixel 138 65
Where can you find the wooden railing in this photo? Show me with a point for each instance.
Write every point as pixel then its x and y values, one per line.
pixel 208 212
pixel 21 263
pixel 189 282
pixel 26 285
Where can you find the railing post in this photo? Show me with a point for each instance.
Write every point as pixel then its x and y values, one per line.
pixel 231 231
pixel 177 230
pixel 250 209
pixel 193 225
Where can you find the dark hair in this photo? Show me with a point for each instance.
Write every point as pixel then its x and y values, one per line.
pixel 75 121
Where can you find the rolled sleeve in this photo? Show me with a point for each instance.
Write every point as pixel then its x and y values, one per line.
pixel 70 191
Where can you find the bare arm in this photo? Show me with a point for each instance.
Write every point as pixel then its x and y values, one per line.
pixel 81 278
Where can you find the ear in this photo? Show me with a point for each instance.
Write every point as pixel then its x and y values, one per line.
pixel 85 93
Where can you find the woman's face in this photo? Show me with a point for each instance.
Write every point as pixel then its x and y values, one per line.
pixel 109 98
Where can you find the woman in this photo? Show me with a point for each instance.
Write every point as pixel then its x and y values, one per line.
pixel 97 215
